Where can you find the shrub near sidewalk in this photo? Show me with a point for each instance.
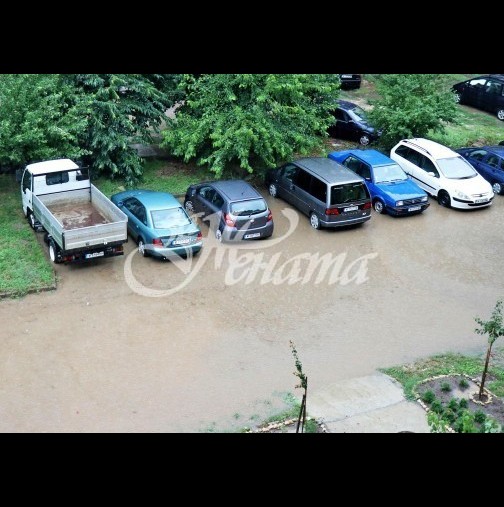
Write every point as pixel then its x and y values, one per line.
pixel 23 265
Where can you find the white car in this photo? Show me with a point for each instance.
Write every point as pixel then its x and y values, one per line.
pixel 443 173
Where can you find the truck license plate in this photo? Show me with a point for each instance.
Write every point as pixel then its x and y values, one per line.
pixel 95 254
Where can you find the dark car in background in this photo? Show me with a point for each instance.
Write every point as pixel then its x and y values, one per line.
pixel 352 123
pixel 238 209
pixel 350 81
pixel 489 162
pixel 483 92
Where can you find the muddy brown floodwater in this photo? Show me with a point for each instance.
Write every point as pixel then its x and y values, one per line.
pixel 94 355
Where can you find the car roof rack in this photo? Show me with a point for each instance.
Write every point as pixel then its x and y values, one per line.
pixel 417 145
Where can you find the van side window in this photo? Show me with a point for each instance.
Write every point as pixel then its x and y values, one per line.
pixel 414 157
pixel 303 180
pixel 318 189
pixel 57 178
pixel 289 172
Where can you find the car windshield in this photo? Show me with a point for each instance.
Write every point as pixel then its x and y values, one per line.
pixel 341 194
pixel 358 114
pixel 245 208
pixel 456 168
pixel 168 218
pixel 386 173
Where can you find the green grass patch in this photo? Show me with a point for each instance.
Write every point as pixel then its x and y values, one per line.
pixel 410 375
pixel 23 265
pixel 160 175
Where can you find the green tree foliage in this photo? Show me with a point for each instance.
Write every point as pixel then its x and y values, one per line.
pixel 411 105
pixel 94 116
pixel 121 109
pixel 37 119
pixel 230 119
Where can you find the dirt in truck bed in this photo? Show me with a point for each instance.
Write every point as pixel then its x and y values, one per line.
pixel 77 215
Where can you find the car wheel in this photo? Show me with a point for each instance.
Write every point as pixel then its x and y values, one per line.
pixel 54 253
pixel 444 199
pixel 378 206
pixel 272 189
pixel 500 114
pixel 218 235
pixel 141 248
pixel 364 140
pixel 497 188
pixel 314 221
pixel 189 206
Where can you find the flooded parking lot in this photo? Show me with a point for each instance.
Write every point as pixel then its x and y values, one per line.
pixel 124 345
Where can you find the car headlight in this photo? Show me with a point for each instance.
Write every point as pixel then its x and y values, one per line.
pixel 463 196
pixel 399 203
pixel 424 198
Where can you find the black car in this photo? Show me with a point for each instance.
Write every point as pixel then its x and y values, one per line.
pixel 234 209
pixel 501 143
pixel 489 162
pixel 483 92
pixel 350 81
pixel 351 123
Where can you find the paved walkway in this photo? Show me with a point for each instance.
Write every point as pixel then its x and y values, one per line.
pixel 372 404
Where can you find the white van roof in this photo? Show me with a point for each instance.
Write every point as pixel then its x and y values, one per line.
pixel 52 166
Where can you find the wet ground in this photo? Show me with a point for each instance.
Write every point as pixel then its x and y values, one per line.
pixel 97 356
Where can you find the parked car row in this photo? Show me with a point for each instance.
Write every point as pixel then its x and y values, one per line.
pixel 336 191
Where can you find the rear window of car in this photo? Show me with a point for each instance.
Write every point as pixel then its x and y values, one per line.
pixel 168 218
pixel 349 192
pixel 251 207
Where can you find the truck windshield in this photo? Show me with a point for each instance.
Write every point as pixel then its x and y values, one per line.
pixel 168 218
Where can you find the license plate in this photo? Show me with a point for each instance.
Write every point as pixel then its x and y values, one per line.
pixel 351 208
pixel 477 201
pixel 182 242
pixel 95 254
pixel 250 236
pixel 415 208
pixel 346 76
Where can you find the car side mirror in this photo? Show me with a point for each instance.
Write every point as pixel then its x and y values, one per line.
pixel 432 174
pixel 19 175
pixel 368 178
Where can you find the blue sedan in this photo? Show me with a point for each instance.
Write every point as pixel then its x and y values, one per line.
pixel 390 188
pixel 159 224
pixel 489 162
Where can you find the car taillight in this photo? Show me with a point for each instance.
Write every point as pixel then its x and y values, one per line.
pixel 270 215
pixel 367 205
pixel 332 211
pixel 157 243
pixel 229 221
pixel 200 236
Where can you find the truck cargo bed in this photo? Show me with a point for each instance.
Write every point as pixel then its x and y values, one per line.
pixel 77 215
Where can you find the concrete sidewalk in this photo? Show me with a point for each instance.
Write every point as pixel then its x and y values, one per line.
pixel 372 404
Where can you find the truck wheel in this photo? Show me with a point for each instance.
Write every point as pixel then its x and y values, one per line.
pixel 54 252
pixel 31 219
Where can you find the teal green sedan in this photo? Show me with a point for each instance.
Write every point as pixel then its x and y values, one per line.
pixel 159 224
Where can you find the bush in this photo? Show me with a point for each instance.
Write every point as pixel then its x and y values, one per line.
pixel 450 416
pixel 463 403
pixel 479 417
pixel 453 404
pixel 445 387
pixel 463 384
pixel 411 106
pixel 428 397
pixel 437 407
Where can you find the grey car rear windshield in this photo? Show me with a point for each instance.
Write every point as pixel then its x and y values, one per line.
pixel 341 194
pixel 245 208
pixel 456 168
pixel 168 218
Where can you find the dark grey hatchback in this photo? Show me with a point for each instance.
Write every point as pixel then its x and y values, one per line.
pixel 234 209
